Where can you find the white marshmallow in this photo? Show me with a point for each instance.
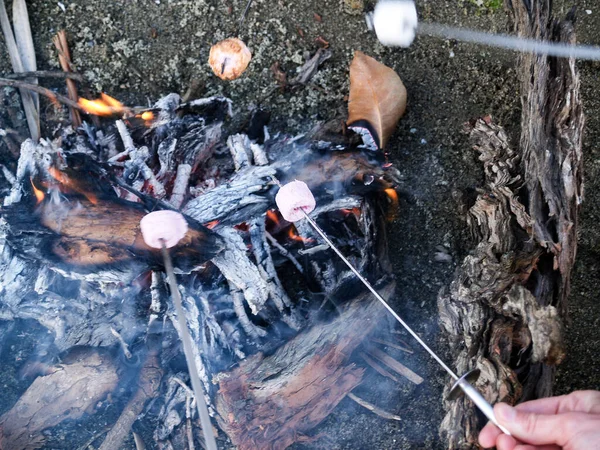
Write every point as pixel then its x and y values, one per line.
pixel 169 226
pixel 293 198
pixel 395 22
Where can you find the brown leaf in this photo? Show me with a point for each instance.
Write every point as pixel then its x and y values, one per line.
pixel 377 100
pixel 279 75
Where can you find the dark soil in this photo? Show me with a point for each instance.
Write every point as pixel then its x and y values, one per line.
pixel 139 50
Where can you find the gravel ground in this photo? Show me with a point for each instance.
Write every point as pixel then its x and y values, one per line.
pixel 138 50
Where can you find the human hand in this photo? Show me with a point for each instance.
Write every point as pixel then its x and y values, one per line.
pixel 570 422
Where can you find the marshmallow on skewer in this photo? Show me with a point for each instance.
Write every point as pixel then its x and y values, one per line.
pixel 395 22
pixel 293 198
pixel 167 226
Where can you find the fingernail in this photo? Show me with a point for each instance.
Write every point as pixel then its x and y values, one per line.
pixel 505 413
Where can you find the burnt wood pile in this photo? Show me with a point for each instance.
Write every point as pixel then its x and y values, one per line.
pixel 275 318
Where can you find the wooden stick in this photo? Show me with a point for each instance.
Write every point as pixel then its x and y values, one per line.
pixel 374 409
pixel 24 39
pixel 375 365
pixel 396 366
pixel 33 120
pixel 64 57
pixel 44 74
pixel 41 90
pixel 391 344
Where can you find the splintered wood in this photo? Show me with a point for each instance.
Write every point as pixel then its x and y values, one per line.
pixel 271 401
pixel 504 310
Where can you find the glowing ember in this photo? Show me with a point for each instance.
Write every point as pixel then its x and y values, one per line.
pixel 347 212
pixel 210 225
pixel 294 236
pixel 39 195
pixel 393 197
pixel 104 106
pixel 242 227
pixel 147 115
pixel 272 216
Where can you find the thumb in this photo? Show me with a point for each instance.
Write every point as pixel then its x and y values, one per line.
pixel 533 428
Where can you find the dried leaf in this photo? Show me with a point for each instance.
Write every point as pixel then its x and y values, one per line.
pixel 310 67
pixel 377 100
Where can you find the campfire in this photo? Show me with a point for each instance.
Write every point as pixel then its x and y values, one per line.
pixel 281 330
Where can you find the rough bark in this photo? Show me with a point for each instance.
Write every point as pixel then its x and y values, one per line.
pixel 67 392
pixel 504 310
pixel 270 402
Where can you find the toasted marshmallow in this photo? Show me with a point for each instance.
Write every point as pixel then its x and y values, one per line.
pixel 167 226
pixel 293 198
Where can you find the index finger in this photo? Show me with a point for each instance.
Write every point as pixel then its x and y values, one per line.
pixel 578 401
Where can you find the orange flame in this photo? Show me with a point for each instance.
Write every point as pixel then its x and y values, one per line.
pixel 272 216
pixel 104 106
pixel 39 195
pixel 68 182
pixel 356 211
pixel 210 225
pixel 294 236
pixel 147 115
pixel 393 195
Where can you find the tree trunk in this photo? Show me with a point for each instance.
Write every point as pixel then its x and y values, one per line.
pixel 504 310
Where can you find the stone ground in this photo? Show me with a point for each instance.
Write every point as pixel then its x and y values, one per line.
pixel 139 50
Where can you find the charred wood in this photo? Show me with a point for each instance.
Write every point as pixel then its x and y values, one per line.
pixel 272 401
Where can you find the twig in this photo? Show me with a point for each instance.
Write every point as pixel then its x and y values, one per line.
pixel 64 57
pixel 124 345
pixel 40 90
pixel 8 175
pixel 374 409
pixel 149 383
pixel 284 252
pixel 375 365
pixel 396 366
pixel 33 120
pixel 243 16
pixel 24 41
pixel 44 74
pixel 391 344
pixel 188 423
pixel 185 387
pixel 139 443
pixel 180 186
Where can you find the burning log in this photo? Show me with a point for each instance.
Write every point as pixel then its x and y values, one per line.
pixel 504 310
pixel 77 223
pixel 272 401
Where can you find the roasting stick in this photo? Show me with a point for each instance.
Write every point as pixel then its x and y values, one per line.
pixel 396 24
pixel 164 229
pixel 295 202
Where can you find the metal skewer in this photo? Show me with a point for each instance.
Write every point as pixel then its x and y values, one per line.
pixel 461 383
pixel 186 339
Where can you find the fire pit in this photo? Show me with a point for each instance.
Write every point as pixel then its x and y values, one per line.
pixel 282 330
pixel 274 317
